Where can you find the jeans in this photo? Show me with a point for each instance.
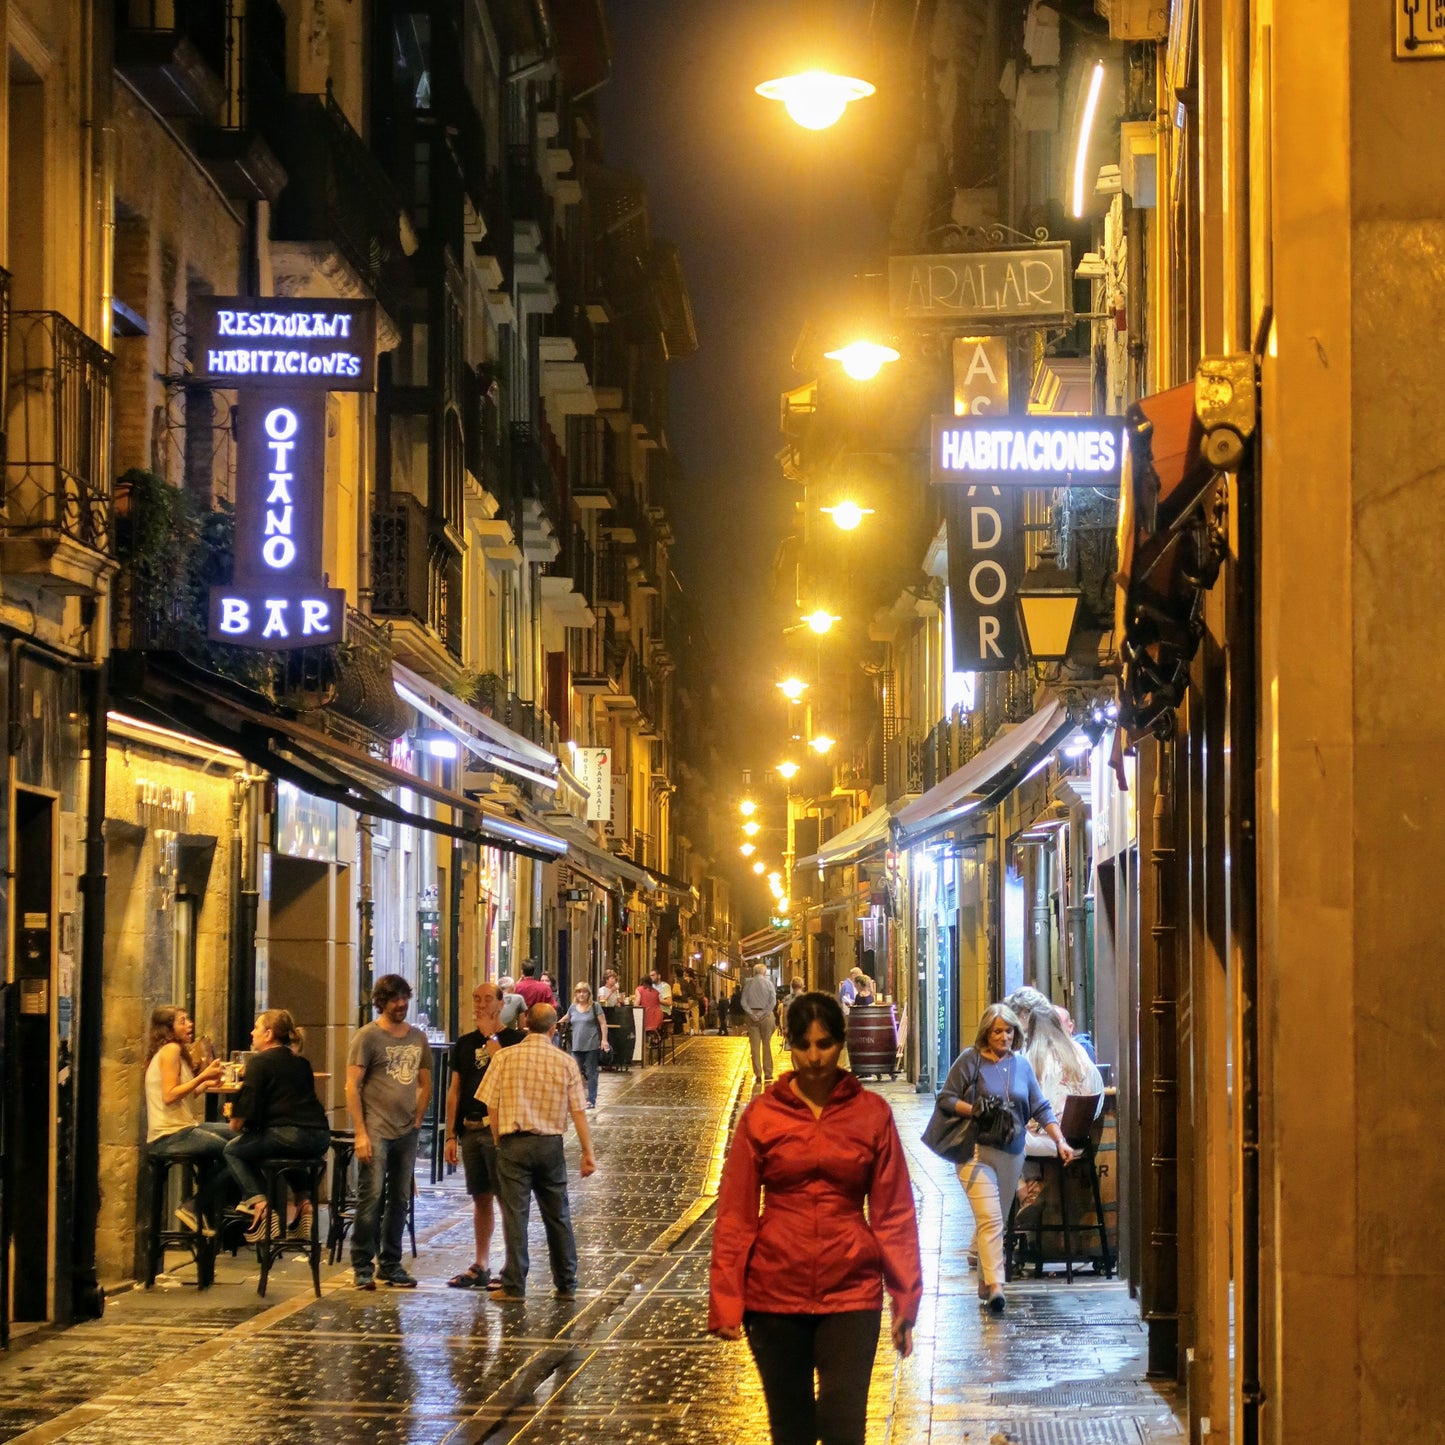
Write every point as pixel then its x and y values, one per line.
pixel 991 1179
pixel 392 1162
pixel 588 1061
pixel 529 1164
pixel 760 1036
pixel 787 1349
pixel 205 1145
pixel 288 1141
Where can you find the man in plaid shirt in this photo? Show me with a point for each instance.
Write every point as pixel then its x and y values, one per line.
pixel 529 1091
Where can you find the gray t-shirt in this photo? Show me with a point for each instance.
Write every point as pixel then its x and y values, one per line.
pixel 394 1064
pixel 586 1032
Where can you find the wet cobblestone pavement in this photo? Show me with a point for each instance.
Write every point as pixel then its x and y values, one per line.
pixel 628 1361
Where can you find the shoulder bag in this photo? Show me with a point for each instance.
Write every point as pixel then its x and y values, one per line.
pixel 950 1136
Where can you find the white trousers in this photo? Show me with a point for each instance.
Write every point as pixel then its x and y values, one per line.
pixel 990 1179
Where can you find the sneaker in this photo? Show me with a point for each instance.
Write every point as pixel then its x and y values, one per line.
pixel 188 1217
pixel 362 1279
pixel 567 1291
pixel 397 1278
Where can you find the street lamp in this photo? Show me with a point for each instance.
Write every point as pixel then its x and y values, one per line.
pixel 816 99
pixel 1048 601
pixel 747 807
pixel 847 515
pixel 787 771
pixel 748 849
pixel 863 360
pixel 792 688
pixel 821 743
pixel 820 620
pixel 750 828
pixel 759 866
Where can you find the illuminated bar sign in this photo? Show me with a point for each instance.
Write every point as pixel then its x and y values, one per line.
pixel 272 341
pixel 1028 451
pixel 279 597
pixel 976 288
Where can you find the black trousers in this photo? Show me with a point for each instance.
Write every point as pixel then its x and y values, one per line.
pixel 788 1349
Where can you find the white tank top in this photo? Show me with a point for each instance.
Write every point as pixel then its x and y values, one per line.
pixel 163 1118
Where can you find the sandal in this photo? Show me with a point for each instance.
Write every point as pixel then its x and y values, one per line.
pixel 472 1277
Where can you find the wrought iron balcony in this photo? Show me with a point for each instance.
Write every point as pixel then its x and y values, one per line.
pixel 57 512
pixel 527 197
pixel 578 562
pixel 174 53
pixel 416 573
pixel 339 193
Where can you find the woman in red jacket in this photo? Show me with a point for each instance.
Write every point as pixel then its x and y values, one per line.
pixel 805 1277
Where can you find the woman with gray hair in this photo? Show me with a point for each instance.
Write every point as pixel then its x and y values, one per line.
pixel 996 1085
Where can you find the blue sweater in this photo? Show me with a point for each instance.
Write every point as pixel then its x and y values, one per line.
pixel 1012 1078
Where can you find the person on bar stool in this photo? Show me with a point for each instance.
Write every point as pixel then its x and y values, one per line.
pixel 804 1280
pixel 388 1088
pixel 174 1126
pixel 275 1116
pixel 992 1069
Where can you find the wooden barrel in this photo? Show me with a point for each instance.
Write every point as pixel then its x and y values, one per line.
pixel 873 1041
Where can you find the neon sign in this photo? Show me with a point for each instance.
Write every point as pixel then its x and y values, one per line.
pixel 279 597
pixel 306 344
pixel 1028 451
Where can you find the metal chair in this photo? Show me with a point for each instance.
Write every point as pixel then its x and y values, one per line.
pixel 198 1246
pixel 306 1175
pixel 1079 1127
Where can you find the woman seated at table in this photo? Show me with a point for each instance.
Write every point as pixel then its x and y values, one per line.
pixel 649 1001
pixel 609 995
pixel 276 1116
pixel 1062 1069
pixel 174 1126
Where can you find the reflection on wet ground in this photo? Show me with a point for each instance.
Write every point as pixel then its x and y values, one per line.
pixel 627 1361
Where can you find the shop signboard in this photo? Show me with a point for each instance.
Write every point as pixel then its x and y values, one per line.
pixel 594 772
pixel 310 344
pixel 278 596
pixel 1028 451
pixel 985 563
pixel 1033 284
pixel 1420 29
pixel 980 375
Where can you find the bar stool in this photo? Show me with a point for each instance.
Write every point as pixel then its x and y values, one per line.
pixel 1078 1128
pixel 306 1175
pixel 201 1249
pixel 341 1209
pixel 661 1042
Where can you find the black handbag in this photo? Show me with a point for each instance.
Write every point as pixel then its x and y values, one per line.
pixel 995 1117
pixel 950 1136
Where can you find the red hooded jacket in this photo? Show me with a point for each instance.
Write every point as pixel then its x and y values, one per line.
pixel 812 1250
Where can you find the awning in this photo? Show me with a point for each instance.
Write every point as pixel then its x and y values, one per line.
pixel 600 865
pixel 987 776
pixel 668 884
pixel 484 737
pixel 863 839
pixel 764 943
pixel 180 695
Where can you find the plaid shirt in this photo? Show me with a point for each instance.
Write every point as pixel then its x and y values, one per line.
pixel 532 1088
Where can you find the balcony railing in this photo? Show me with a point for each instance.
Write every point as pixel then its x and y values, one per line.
pixel 527 197
pixel 578 561
pixel 416 573
pixel 57 429
pixel 339 192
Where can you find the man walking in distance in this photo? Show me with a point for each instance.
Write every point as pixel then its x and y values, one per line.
pixel 388 1088
pixel 468 1134
pixel 529 1091
pixel 760 998
pixel 533 989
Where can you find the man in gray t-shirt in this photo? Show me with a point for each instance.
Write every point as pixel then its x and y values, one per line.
pixel 388 1088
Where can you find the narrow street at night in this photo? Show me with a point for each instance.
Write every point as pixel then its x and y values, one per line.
pixel 628 1361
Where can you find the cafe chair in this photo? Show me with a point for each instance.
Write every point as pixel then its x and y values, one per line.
pixel 305 1176
pixel 198 1246
pixel 1078 1127
pixel 341 1208
pixel 661 1043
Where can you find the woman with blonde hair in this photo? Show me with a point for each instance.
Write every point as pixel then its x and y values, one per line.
pixel 995 1085
pixel 587 1031
pixel 1062 1068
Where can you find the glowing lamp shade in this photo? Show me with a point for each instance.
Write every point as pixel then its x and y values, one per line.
pixel 820 621
pixel 792 688
pixel 848 516
pixel 759 866
pixel 747 807
pixel 750 828
pixel 1086 130
pixel 1048 602
pixel 821 743
pixel 787 771
pixel 748 849
pixel 815 99
pixel 862 360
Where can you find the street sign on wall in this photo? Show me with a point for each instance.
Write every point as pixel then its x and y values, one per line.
pixel 1028 451
pixel 594 772
pixel 985 563
pixel 975 288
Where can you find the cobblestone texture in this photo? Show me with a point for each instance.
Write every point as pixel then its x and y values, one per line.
pixel 629 1361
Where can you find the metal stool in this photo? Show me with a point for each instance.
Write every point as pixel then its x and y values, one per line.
pixel 1077 1127
pixel 201 1249
pixel 307 1175
pixel 661 1042
pixel 341 1210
